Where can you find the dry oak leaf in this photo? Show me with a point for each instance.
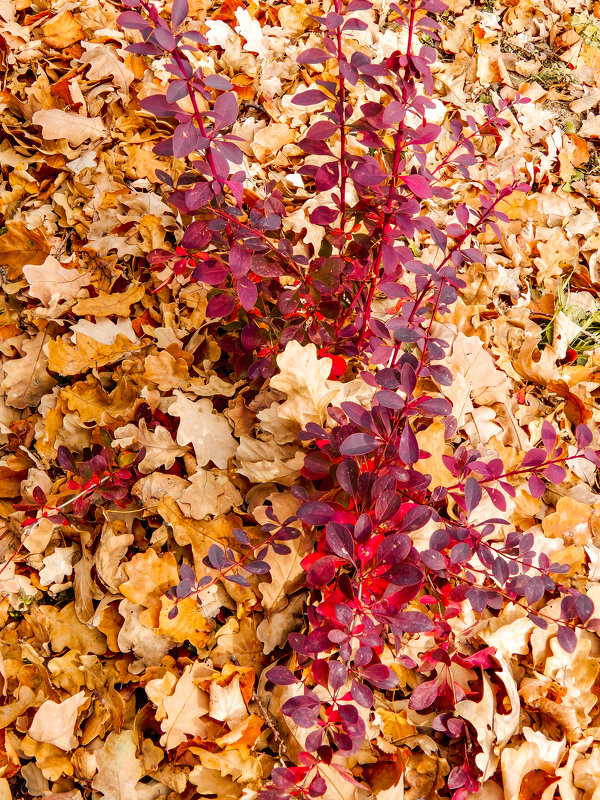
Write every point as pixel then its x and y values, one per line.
pixel 158 486
pixel 51 761
pixel 161 449
pixel 108 305
pixel 20 246
pixel 304 377
pixel 50 282
pixel 119 768
pixel 105 62
pixel 571 522
pixel 237 640
pixel 148 578
pixel 54 723
pixel 72 359
pixel 210 494
pixel 57 566
pixel 134 636
pixel 27 380
pixel 201 534
pixel 93 404
pixel 394 724
pixel 115 541
pixel 432 440
pixel 268 141
pixel 494 729
pixel 68 125
pixel 517 763
pixel 273 630
pixel 209 434
pixel 166 371
pixel 242 736
pixel 226 703
pixel 66 631
pixel 231 763
pixel 184 708
pixel 189 624
pixel 62 31
pixel 265 462
pixel 469 358
pixel 286 573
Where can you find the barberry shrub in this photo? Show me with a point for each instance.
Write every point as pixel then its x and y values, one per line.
pixel 395 555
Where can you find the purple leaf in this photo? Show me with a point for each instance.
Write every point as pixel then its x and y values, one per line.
pixel 157 104
pixel 433 559
pixel 473 494
pixel 218 82
pixel 247 292
pixel 424 695
pixel 358 444
pixel 164 38
pixel 225 110
pixel 404 574
pixel 381 676
pixel 534 458
pixel 323 215
pixel 536 486
pixel 220 305
pixel 414 622
pixel 419 186
pixel 584 436
pixel 281 676
pixel 132 20
pixel 315 513
pixel 567 638
pixel 368 173
pixel 179 12
pixel 310 98
pixel 313 56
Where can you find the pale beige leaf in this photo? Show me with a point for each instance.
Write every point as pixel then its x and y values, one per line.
pixel 119 768
pixel 209 433
pixel 68 125
pixel 51 282
pixel 161 448
pixel 27 379
pixel 184 709
pixel 209 494
pixel 226 702
pixel 54 723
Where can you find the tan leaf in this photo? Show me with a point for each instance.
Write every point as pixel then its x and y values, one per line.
pixel 108 305
pixel 68 125
pixel 226 703
pixel 209 433
pixel 119 768
pixel 304 377
pixel 54 723
pixel 62 31
pixel 210 494
pixel 161 449
pixel 189 624
pixel 273 630
pixel 148 578
pixel 51 282
pixel 104 61
pixel 20 246
pixel 268 141
pixel 184 709
pixel 71 359
pixel 27 379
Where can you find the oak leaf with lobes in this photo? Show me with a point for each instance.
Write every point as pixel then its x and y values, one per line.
pixel 209 434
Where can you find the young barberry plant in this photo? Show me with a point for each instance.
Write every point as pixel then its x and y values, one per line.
pixel 396 554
